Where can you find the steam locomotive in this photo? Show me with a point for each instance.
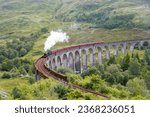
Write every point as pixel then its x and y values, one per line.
pixel 46 54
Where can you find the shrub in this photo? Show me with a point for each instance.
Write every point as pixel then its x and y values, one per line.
pixel 147 56
pixel 64 70
pixel 134 67
pixel 6 75
pixel 21 92
pixel 32 80
pixel 90 71
pixel 137 87
pixel 74 78
pixel 22 52
pixel 61 90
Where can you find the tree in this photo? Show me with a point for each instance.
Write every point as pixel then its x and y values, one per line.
pixel 22 92
pixel 2 58
pixel 6 75
pixel 44 30
pixel 147 56
pixel 17 62
pixel 64 70
pixel 15 72
pixel 7 65
pixel 61 90
pixel 114 75
pixel 112 60
pixel 147 80
pixel 22 52
pixel 125 62
pixel 137 87
pixel 114 68
pixel 12 53
pixel 22 70
pixel 90 71
pixel 134 67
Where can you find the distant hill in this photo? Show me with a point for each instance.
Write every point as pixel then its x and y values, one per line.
pixel 107 13
pixel 96 19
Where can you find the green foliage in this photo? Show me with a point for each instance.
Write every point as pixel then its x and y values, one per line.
pixel 22 92
pixel 120 22
pixel 147 80
pixel 134 67
pixel 75 95
pixel 90 71
pixel 137 87
pixel 17 66
pixel 6 75
pixel 147 56
pixel 14 72
pixel 112 60
pixel 22 52
pixel 48 89
pixel 61 90
pixel 7 65
pixel 44 30
pixel 39 90
pixel 32 80
pixel 114 75
pixel 93 82
pixel 64 70
pixel 114 68
pixel 125 62
pixel 74 78
pixel 106 14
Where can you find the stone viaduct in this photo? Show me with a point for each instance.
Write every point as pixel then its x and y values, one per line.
pixel 79 57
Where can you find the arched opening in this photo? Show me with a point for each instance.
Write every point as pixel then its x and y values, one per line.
pixel 137 46
pixel 107 52
pixel 77 62
pixel 84 59
pixel 65 61
pixel 59 62
pixel 100 55
pixel 91 57
pixel 115 49
pixel 145 45
pixel 122 48
pixel 71 61
pixel 50 64
pixel 128 46
pixel 54 64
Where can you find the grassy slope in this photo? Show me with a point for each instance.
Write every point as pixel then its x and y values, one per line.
pixel 22 18
pixel 70 11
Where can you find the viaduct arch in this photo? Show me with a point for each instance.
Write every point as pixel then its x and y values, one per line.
pixel 79 57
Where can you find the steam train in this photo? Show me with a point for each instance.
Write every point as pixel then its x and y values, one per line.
pixel 46 54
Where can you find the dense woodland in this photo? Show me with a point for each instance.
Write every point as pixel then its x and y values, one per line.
pixel 25 25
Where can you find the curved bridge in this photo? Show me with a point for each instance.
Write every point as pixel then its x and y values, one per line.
pixel 79 57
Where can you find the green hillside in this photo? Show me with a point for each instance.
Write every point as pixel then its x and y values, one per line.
pixel 107 13
pixel 26 24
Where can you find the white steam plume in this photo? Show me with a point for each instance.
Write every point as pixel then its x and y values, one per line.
pixel 55 36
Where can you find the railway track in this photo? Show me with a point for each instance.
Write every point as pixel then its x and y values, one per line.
pixel 47 73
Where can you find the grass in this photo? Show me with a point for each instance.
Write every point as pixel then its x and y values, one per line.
pixel 8 84
pixel 104 35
